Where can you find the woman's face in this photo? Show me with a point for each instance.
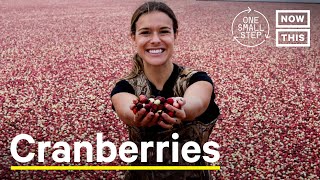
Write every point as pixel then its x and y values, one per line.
pixel 154 38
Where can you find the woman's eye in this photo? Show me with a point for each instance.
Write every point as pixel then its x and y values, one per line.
pixel 144 32
pixel 164 32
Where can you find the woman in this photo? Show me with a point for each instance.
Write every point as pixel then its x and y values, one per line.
pixel 154 29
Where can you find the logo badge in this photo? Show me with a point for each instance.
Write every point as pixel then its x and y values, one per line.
pixel 293 28
pixel 250 28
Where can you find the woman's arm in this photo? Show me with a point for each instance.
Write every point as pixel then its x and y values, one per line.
pixel 197 97
pixel 121 102
pixel 195 101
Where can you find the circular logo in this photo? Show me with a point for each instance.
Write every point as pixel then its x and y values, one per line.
pixel 250 28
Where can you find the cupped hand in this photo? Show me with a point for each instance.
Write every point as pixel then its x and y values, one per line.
pixel 143 119
pixel 179 114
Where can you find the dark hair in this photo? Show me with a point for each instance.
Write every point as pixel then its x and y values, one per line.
pixel 150 7
pixel 143 9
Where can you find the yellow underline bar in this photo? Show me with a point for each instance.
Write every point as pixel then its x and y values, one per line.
pixel 110 168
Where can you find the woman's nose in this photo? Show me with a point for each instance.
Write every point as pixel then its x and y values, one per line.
pixel 155 38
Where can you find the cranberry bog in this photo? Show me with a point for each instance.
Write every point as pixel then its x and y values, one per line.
pixel 59 61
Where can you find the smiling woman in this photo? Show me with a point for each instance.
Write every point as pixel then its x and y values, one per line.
pixel 154 30
pixel 155 39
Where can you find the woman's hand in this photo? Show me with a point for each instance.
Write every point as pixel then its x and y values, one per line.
pixel 141 119
pixel 179 113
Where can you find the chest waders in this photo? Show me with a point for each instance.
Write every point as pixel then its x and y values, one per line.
pixel 189 131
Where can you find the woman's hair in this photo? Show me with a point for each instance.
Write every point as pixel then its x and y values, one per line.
pixel 148 7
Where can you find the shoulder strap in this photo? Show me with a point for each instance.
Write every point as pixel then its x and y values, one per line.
pixel 183 81
pixel 140 85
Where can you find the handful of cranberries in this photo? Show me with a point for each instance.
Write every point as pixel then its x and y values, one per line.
pixel 154 104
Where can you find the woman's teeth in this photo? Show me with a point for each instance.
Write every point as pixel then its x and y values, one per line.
pixel 155 51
